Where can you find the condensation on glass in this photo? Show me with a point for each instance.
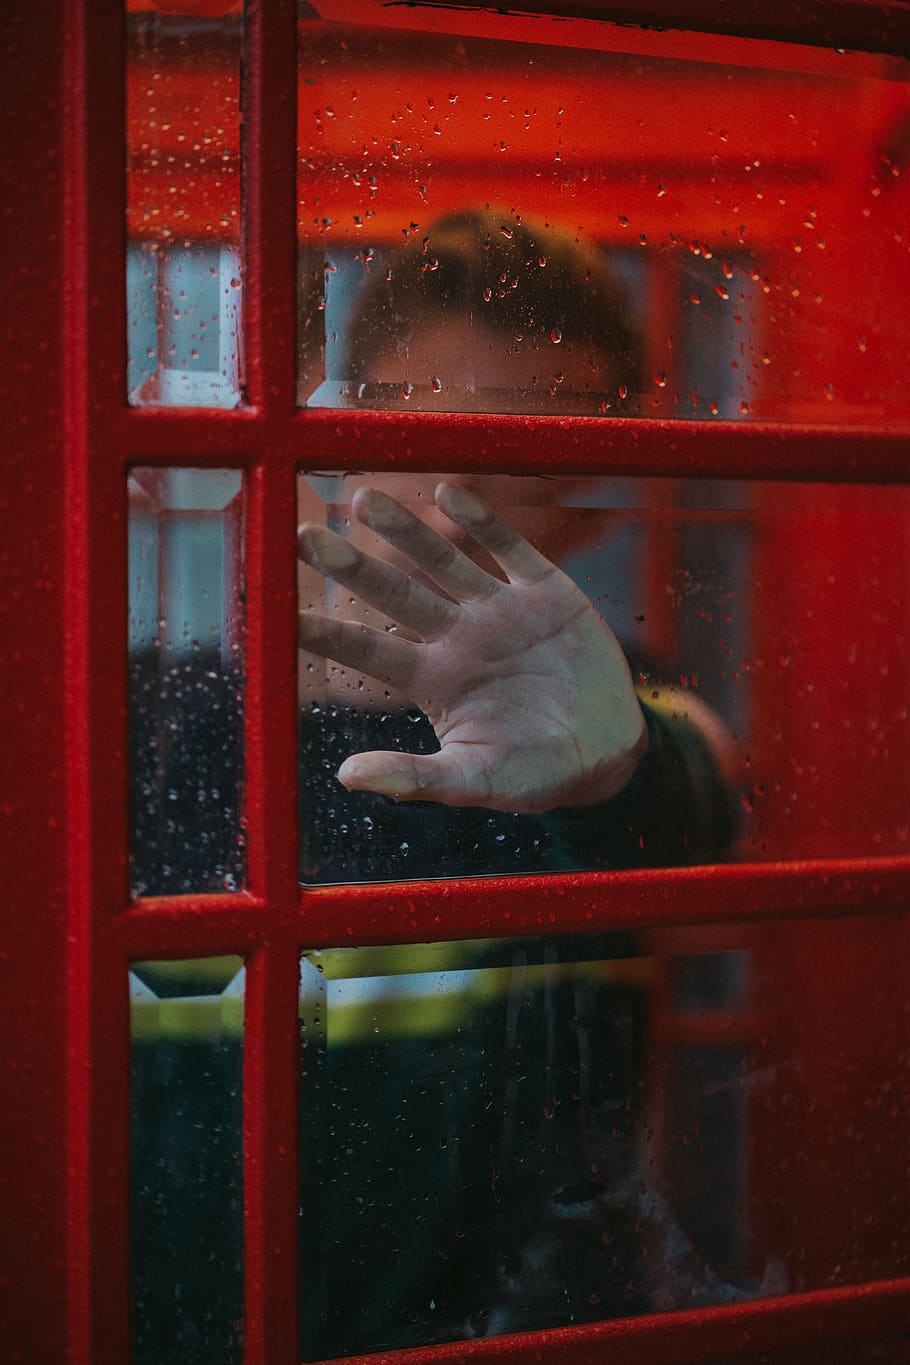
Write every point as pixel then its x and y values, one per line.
pixel 184 262
pixel 750 598
pixel 504 1136
pixel 186 1173
pixel 503 213
pixel 186 587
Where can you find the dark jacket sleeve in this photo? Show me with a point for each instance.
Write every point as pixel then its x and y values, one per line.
pixel 675 810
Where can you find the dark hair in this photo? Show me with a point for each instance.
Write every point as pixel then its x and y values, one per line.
pixel 531 283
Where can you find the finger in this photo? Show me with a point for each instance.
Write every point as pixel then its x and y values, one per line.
pixel 431 552
pixel 511 551
pixel 388 658
pixel 381 585
pixel 411 777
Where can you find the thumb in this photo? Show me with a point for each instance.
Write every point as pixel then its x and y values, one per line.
pixel 405 777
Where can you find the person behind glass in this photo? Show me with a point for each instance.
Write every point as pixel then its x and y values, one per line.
pixel 536 740
pixel 529 694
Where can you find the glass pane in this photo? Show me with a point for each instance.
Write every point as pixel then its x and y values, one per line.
pixel 770 659
pixel 505 1136
pixel 186 1211
pixel 507 213
pixel 186 680
pixel 184 263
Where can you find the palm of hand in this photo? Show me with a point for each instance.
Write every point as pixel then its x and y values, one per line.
pixel 527 689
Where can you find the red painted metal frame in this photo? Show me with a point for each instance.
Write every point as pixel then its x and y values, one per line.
pixel 325 439
pixel 396 912
pixel 867 25
pixel 745 1332
pixel 69 930
pixel 32 688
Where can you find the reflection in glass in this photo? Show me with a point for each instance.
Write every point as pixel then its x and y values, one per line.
pixel 747 597
pixel 186 1209
pixel 505 1136
pixel 186 680
pixel 469 187
pixel 184 264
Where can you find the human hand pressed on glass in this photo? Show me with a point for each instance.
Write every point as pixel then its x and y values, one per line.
pixel 527 689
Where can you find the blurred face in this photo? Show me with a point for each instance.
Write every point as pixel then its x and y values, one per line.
pixel 461 359
pixel 468 359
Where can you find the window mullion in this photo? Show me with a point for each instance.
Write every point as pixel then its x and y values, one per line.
pixel 270 1166
pixel 96 616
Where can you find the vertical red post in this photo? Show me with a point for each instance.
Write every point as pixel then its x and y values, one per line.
pixel 33 815
pixel 272 1058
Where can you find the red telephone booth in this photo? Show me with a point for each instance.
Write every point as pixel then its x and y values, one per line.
pixel 199 195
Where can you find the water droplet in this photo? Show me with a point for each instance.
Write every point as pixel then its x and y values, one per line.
pixel 556 336
pixel 436 384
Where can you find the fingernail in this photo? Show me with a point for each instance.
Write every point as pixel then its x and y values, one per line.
pixel 461 501
pixel 382 513
pixel 326 551
pixel 396 785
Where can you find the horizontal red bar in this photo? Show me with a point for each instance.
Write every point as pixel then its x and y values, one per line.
pixel 864 25
pixel 414 912
pixel 739 1331
pixel 514 443
pixel 328 439
pixel 161 927
pixel 867 25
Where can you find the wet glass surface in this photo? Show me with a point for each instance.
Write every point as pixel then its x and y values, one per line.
pixel 504 1136
pixel 186 680
pixel 748 598
pixel 507 213
pixel 184 262
pixel 186 1202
